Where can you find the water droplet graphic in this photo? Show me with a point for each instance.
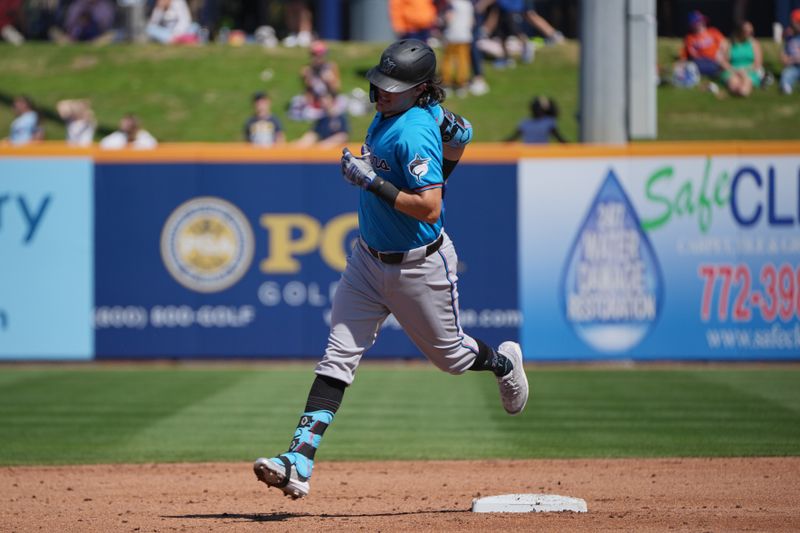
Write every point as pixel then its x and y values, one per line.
pixel 612 284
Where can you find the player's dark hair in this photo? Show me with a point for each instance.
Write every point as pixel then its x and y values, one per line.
pixel 432 94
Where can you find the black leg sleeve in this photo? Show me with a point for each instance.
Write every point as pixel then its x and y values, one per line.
pixel 326 394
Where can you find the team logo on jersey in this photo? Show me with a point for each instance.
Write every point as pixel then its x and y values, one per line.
pixel 419 167
pixel 378 163
pixel 207 244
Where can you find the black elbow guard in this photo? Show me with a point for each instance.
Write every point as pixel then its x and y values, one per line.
pixel 447 167
pixel 384 190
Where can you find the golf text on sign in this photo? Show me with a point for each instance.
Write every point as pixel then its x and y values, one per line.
pixel 244 259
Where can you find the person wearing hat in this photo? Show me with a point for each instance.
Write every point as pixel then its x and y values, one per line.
pixel 790 55
pixel 263 129
pixel 320 78
pixel 403 262
pixel 702 45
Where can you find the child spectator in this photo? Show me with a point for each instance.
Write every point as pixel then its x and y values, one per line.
pixel 702 45
pixel 129 135
pixel 743 64
pixel 171 22
pixel 331 130
pixel 80 121
pixel 459 20
pixel 263 129
pixel 790 55
pixel 26 128
pixel 541 126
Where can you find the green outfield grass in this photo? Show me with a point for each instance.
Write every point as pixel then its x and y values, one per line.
pixel 66 415
pixel 203 93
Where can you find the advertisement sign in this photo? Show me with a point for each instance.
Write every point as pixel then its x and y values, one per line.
pixel 660 257
pixel 242 260
pixel 46 271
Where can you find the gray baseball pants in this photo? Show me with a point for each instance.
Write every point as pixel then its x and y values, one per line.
pixel 421 293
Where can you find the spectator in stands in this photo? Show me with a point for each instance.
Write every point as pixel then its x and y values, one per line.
pixel 790 55
pixel 11 21
pixel 26 127
pixel 477 85
pixel 171 22
pixel 331 130
pixel 263 128
pixel 299 22
pixel 320 78
pixel 86 20
pixel 743 61
pixel 504 19
pixel 541 126
pixel 129 135
pixel 459 20
pixel 412 19
pixel 80 121
pixel 551 35
pixel 702 45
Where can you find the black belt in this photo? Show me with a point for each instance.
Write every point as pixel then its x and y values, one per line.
pixel 395 258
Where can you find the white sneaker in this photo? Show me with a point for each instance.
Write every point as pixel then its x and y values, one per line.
pixel 478 87
pixel 290 41
pixel 274 474
pixel 514 385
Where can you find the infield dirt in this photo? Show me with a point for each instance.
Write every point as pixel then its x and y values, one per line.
pixel 731 494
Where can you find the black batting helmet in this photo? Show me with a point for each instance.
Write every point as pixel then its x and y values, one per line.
pixel 404 64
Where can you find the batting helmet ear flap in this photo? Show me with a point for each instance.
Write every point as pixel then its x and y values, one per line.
pixel 373 93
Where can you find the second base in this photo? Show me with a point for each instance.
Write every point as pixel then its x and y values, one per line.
pixel 528 503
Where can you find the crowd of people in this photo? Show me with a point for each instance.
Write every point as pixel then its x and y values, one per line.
pixel 708 59
pixel 467 32
pixel 80 125
pixel 456 26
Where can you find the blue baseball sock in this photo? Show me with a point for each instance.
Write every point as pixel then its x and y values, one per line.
pixel 306 439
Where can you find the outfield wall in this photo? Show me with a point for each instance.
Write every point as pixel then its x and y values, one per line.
pixel 657 251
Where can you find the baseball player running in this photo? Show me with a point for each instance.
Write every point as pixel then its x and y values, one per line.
pixel 404 263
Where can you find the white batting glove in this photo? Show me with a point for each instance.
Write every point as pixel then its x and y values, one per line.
pixel 357 170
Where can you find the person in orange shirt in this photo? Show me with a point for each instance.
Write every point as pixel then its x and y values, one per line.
pixel 412 19
pixel 702 45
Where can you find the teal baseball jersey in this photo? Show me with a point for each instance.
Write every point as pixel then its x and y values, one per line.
pixel 405 150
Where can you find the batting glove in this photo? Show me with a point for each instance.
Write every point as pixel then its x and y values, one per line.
pixel 357 170
pixel 456 130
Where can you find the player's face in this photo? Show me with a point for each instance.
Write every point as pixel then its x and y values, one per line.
pixel 390 104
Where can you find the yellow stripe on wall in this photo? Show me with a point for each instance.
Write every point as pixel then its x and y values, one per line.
pixel 476 153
